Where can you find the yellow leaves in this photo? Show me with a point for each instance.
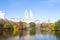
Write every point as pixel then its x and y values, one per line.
pixel 15 29
pixel 14 26
pixel 4 25
pixel 46 28
pixel 53 26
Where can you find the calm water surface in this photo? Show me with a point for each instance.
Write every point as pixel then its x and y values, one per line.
pixel 27 35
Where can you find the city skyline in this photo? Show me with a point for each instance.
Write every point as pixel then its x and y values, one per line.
pixel 41 9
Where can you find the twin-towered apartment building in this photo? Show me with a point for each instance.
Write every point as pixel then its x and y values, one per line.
pixel 28 17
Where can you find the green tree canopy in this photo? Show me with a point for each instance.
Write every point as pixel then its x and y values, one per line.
pixel 57 25
pixel 32 24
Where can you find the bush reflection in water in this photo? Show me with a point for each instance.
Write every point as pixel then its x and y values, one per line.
pixel 28 35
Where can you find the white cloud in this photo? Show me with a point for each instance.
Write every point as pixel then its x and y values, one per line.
pixel 0 11
pixel 2 15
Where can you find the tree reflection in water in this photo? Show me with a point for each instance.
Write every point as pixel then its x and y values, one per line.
pixel 21 34
pixel 57 33
pixel 25 35
pixel 5 35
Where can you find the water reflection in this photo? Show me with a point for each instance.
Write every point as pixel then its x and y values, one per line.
pixel 26 35
pixel 57 33
pixel 44 35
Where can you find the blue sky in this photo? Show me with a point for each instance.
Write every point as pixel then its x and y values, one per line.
pixel 41 9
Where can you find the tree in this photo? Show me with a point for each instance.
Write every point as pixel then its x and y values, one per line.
pixel 32 26
pixel 15 29
pixel 53 26
pixel 2 21
pixel 44 26
pixel 57 25
pixel 9 26
pixel 20 24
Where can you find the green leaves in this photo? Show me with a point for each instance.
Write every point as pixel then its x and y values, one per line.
pixel 32 26
pixel 57 25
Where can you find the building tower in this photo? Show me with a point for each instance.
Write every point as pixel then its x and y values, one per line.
pixel 31 16
pixel 26 16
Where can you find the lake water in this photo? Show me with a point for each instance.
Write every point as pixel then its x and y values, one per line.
pixel 26 35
